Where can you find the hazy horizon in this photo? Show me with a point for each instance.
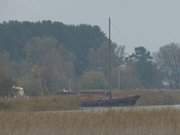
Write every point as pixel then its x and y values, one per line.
pixel 134 23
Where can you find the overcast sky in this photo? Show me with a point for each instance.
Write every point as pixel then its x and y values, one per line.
pixel 149 23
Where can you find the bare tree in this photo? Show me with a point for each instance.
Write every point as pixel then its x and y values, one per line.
pixel 168 59
pixel 98 58
pixel 6 80
pixel 93 80
pixel 125 77
pixel 50 65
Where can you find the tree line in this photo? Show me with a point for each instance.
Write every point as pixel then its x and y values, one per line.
pixel 46 57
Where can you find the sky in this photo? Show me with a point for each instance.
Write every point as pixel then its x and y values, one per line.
pixel 148 23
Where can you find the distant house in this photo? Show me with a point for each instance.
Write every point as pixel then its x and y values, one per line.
pixel 166 84
pixel 18 91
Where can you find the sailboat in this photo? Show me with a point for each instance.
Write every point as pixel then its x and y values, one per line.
pixel 109 101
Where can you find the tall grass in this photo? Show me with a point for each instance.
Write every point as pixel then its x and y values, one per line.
pixel 112 122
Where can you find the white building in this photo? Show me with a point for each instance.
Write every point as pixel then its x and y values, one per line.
pixel 19 91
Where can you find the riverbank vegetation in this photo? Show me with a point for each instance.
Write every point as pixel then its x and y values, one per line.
pixel 116 122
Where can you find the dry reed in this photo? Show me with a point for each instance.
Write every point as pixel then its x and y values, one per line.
pixel 112 122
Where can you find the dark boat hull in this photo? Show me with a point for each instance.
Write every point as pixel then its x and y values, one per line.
pixel 128 101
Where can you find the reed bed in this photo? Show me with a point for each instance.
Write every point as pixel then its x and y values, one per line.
pixel 111 122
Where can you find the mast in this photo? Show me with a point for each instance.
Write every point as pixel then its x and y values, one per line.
pixel 109 63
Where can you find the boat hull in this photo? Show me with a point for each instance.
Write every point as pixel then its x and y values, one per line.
pixel 127 101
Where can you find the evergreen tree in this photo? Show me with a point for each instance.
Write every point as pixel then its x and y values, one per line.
pixel 144 66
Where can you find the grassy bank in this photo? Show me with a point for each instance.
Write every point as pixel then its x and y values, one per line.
pixel 153 97
pixel 129 122
pixel 49 103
